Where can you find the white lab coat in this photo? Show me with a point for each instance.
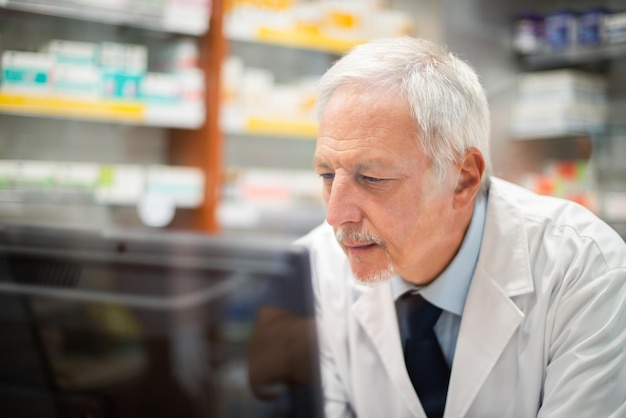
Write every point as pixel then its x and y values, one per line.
pixel 543 332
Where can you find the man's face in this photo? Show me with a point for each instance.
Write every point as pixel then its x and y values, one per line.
pixel 391 216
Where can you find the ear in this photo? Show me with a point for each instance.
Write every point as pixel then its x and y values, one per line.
pixel 471 172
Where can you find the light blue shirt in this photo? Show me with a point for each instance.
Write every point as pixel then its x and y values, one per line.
pixel 449 290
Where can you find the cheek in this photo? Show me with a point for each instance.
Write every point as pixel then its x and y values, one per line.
pixel 396 225
pixel 416 225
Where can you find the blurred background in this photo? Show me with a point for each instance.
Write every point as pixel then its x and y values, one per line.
pixel 198 114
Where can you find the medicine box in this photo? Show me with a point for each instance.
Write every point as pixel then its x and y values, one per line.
pixel 160 88
pixel 72 52
pixel 123 68
pixel 26 72
pixel 77 80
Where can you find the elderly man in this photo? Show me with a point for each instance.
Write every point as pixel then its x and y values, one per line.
pixel 441 290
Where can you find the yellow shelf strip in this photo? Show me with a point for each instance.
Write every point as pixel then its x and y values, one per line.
pixel 113 110
pixel 296 129
pixel 305 38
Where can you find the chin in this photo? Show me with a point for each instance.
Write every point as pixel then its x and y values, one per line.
pixel 375 278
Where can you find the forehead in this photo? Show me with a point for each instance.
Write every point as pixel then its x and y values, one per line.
pixel 371 125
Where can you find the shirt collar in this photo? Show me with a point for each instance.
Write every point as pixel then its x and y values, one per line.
pixel 449 290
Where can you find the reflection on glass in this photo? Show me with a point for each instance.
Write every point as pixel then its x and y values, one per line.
pixel 155 328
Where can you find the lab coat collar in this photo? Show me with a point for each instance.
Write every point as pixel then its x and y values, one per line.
pixel 504 254
pixel 491 317
pixel 376 312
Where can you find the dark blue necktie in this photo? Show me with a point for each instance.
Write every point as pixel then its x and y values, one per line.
pixel 424 359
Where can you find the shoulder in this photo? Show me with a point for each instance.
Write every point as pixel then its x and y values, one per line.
pixel 567 228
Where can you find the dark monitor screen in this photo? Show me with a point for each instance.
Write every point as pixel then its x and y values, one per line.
pixel 154 325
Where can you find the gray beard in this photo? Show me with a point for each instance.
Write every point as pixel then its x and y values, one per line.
pixel 376 278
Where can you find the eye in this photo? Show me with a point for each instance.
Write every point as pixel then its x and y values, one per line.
pixel 371 179
pixel 327 176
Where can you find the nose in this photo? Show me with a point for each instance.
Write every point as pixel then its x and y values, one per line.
pixel 342 203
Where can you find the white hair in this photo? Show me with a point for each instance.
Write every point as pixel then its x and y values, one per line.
pixel 444 93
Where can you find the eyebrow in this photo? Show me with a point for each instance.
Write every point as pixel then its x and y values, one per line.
pixel 321 163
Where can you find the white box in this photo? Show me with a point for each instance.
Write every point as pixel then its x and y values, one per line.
pixel 26 72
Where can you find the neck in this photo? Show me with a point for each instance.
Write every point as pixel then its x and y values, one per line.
pixel 444 252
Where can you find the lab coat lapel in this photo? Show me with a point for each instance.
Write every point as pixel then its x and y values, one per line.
pixel 490 317
pixel 375 310
pixel 489 321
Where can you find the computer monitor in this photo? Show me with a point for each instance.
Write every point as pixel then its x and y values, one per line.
pixel 159 324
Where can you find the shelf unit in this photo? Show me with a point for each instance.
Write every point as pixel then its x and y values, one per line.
pixel 191 132
pixel 179 18
pixel 298 42
pixel 574 57
pixel 279 143
pixel 600 148
pixel 181 115
pixel 483 32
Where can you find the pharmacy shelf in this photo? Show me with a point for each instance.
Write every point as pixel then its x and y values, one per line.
pixel 189 18
pixel 296 38
pixel 265 126
pixel 107 184
pixel 538 135
pixel 575 56
pixel 177 115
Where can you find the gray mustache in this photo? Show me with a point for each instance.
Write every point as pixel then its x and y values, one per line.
pixel 354 235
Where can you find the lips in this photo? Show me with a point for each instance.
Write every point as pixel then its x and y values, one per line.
pixel 357 243
pixel 359 246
